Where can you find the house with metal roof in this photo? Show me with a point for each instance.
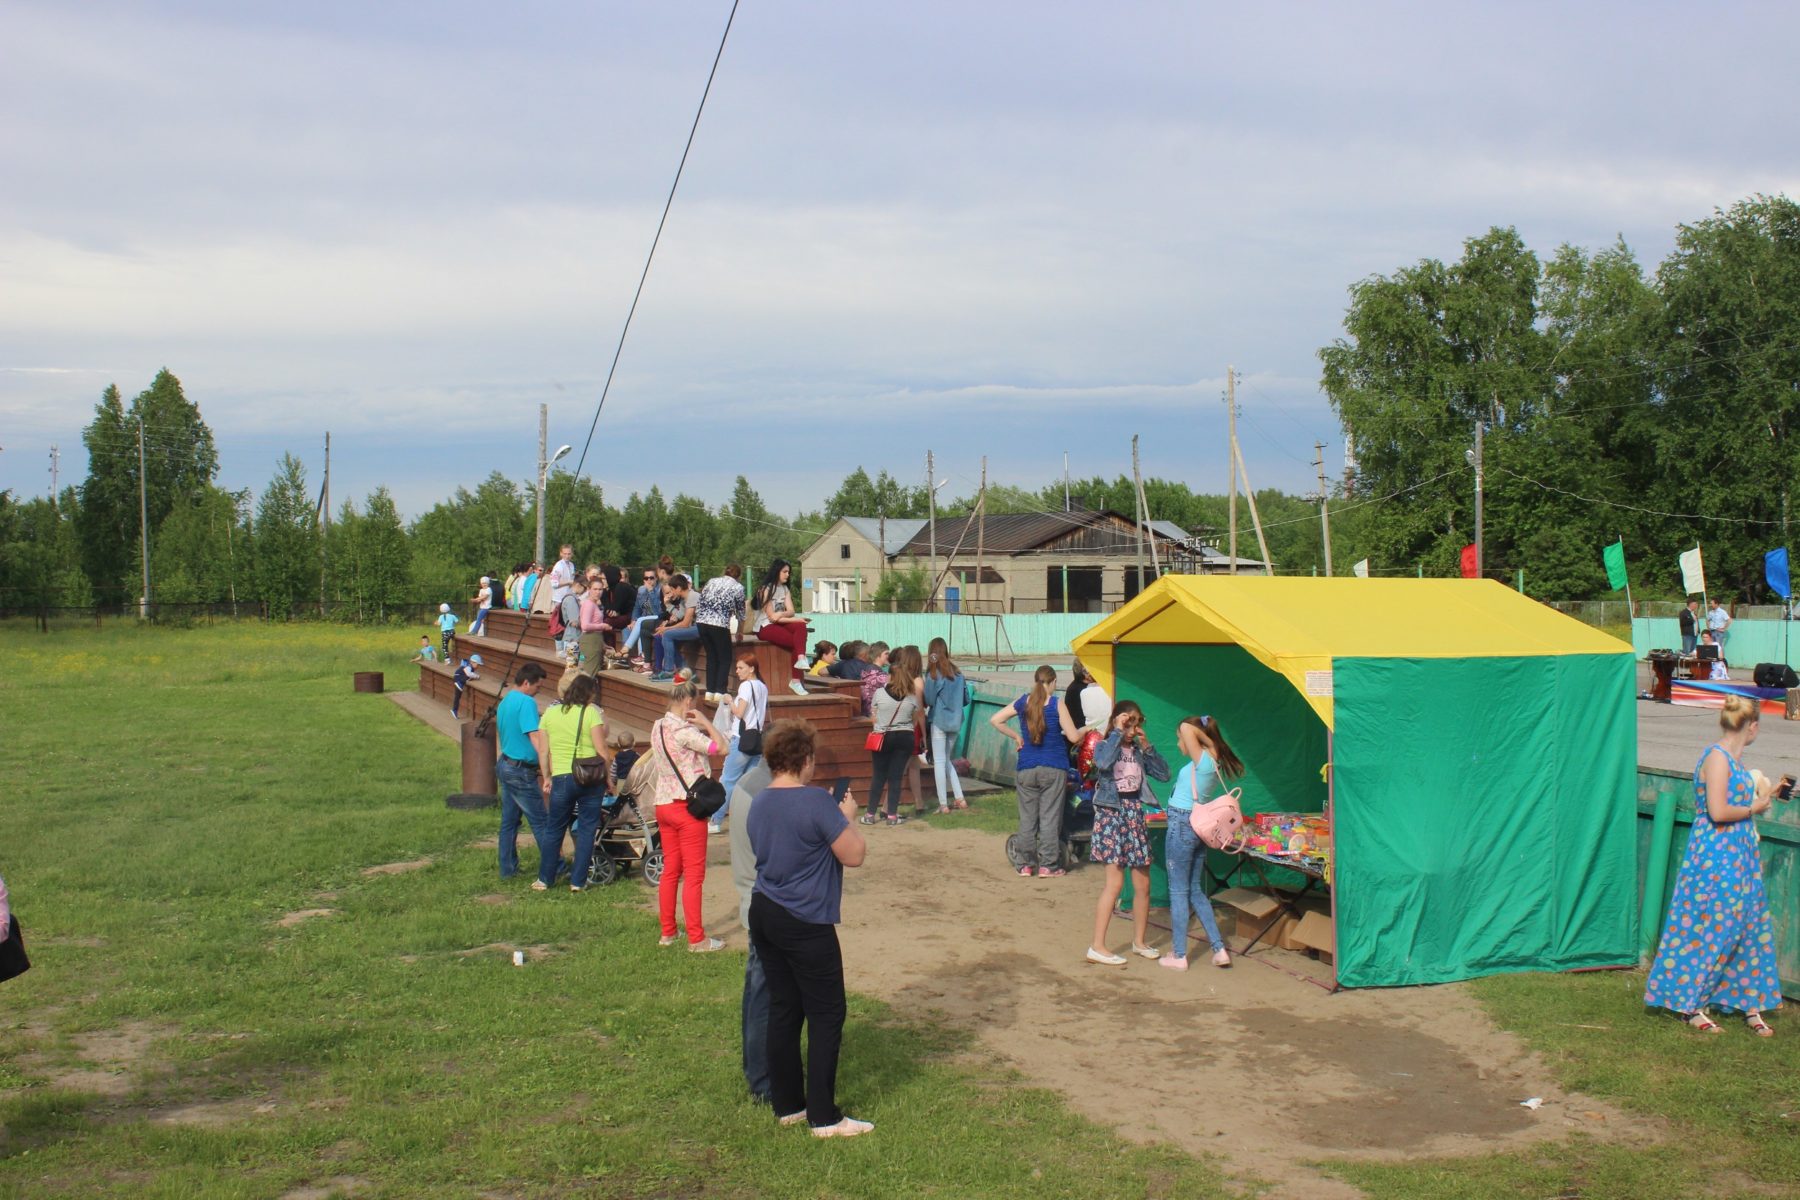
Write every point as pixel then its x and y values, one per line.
pixel 1078 561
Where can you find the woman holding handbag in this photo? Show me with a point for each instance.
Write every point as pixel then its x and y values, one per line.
pixel 576 731
pixel 680 742
pixel 892 708
pixel 1123 760
pixel 1209 760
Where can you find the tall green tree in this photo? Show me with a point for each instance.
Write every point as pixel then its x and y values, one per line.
pixel 483 532
pixel 286 549
pixel 383 555
pixel 179 462
pixel 200 550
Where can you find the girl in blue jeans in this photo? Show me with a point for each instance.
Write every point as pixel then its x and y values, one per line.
pixel 1209 758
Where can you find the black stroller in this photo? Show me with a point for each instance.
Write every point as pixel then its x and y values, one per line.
pixel 626 839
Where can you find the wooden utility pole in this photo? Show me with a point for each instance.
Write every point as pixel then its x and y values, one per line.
pixel 931 503
pixel 325 524
pixel 56 462
pixel 1262 541
pixel 1479 547
pixel 1231 422
pixel 1137 496
pixel 1324 503
pixel 981 528
pixel 143 524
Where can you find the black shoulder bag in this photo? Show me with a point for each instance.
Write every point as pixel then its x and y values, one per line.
pixel 12 952
pixel 589 772
pixel 705 796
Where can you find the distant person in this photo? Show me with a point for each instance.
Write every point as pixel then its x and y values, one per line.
pixel 562 574
pixel 575 728
pixel 1718 941
pixel 623 744
pixel 646 612
pixel 777 617
pixel 1041 774
pixel 484 600
pixel 850 664
pixel 468 670
pixel 894 706
pixel 803 840
pixel 1126 762
pixel 749 712
pixel 825 654
pixel 721 602
pixel 617 600
pixel 680 743
pixel 426 651
pixel 676 629
pixel 528 587
pixel 946 698
pixel 593 628
pixel 878 659
pixel 1717 670
pixel 915 759
pixel 12 940
pixel 446 627
pixel 1717 622
pixel 1072 697
pixel 525 779
pixel 1690 618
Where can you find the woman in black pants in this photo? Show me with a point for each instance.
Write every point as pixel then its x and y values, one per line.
pixel 893 709
pixel 721 602
pixel 803 840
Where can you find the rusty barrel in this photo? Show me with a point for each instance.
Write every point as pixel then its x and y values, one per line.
pixel 367 681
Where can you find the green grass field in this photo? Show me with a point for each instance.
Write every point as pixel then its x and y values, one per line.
pixel 173 794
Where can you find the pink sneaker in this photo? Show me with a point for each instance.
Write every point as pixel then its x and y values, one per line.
pixel 1173 963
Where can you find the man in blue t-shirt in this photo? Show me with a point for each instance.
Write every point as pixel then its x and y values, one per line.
pixel 524 770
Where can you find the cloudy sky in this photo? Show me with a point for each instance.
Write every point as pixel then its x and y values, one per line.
pixel 1001 229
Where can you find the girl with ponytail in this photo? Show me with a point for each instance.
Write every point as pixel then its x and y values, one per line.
pixel 1042 772
pixel 1202 742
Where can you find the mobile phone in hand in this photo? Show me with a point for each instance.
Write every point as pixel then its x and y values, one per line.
pixel 839 788
pixel 1785 789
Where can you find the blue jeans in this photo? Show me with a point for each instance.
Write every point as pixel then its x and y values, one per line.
pixel 736 763
pixel 638 629
pixel 478 626
pixel 520 795
pixel 1187 893
pixel 756 1027
pixel 668 654
pixel 572 805
pixel 1688 641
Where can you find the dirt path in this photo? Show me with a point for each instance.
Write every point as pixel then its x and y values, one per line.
pixel 1264 1070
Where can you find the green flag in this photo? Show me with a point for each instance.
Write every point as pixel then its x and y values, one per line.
pixel 1614 557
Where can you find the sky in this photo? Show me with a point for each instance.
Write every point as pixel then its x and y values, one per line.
pixel 1012 230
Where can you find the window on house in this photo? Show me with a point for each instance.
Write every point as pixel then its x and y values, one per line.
pixel 844 550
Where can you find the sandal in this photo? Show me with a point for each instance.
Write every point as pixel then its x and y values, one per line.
pixel 943 810
pixel 1051 872
pixel 959 804
pixel 866 819
pixel 1758 1026
pixel 1025 872
pixel 1703 1023
pixel 896 820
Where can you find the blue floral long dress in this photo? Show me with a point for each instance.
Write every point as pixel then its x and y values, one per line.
pixel 1718 946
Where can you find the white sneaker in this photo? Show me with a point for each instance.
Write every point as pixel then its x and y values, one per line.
pixel 848 1127
pixel 799 689
pixel 705 947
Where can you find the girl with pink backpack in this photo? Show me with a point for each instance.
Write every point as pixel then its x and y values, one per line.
pixel 1209 760
pixel 1124 762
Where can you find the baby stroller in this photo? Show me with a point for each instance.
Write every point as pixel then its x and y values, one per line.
pixel 1077 829
pixel 626 839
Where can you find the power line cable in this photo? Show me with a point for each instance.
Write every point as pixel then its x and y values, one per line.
pixel 1549 487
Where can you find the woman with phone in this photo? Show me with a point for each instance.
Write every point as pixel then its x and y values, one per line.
pixel 1123 761
pixel 803 838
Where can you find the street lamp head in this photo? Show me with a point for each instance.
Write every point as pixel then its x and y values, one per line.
pixel 939 485
pixel 560 452
pixel 1469 456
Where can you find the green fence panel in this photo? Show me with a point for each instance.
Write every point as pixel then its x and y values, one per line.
pixel 1780 832
pixel 1014 637
pixel 1747 642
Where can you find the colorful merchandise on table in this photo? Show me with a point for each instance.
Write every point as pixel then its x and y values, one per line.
pixel 1302 836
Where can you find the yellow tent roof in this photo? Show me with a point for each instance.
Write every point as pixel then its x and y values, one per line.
pixel 1297 626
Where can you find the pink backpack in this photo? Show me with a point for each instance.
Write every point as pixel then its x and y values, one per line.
pixel 1220 823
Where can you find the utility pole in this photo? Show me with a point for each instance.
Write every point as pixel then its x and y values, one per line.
pixel 1137 498
pixel 543 466
pixel 1262 541
pixel 981 527
pixel 931 500
pixel 1231 421
pixel 55 462
pixel 1475 461
pixel 1066 505
pixel 143 524
pixel 325 523
pixel 1324 503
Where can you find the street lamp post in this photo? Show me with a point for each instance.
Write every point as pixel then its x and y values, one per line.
pixel 544 465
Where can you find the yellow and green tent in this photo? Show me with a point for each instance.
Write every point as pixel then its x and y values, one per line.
pixel 1482 753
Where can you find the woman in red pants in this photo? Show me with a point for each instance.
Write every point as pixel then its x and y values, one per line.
pixel 680 742
pixel 777 620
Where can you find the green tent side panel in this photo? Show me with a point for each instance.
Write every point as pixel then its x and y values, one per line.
pixel 1483 814
pixel 1265 721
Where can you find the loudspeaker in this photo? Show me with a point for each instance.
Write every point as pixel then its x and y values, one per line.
pixel 1776 675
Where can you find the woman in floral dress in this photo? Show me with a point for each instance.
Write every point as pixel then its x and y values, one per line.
pixel 1718 945
pixel 1124 762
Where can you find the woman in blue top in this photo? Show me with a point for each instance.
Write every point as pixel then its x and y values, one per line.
pixel 946 693
pixel 1718 943
pixel 1209 759
pixel 1042 774
pixel 1122 762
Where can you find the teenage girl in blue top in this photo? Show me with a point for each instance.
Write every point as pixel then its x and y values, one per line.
pixel 1209 758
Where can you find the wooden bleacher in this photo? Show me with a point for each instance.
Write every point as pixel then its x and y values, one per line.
pixel 632 702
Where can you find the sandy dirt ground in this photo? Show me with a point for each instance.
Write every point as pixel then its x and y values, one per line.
pixel 1268 1072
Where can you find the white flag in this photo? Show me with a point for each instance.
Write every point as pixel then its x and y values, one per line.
pixel 1693 578
pixel 1361 569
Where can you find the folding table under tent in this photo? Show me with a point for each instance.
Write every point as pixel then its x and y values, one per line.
pixel 1482 753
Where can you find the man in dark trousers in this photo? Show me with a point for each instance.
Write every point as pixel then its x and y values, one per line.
pixel 1690 617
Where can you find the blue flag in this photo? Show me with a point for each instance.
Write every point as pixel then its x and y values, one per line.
pixel 1775 570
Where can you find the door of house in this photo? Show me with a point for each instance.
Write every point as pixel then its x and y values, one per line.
pixel 1083 589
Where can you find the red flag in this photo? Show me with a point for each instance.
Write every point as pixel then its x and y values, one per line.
pixel 1469 569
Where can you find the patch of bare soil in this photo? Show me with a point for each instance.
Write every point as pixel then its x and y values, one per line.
pixel 304 914
pixel 494 898
pixel 1251 1064
pixel 328 1189
pixel 214 1113
pixel 110 1059
pixel 397 868
pixel 532 953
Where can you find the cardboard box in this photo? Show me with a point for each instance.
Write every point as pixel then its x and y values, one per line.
pixel 1248 901
pixel 1314 932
